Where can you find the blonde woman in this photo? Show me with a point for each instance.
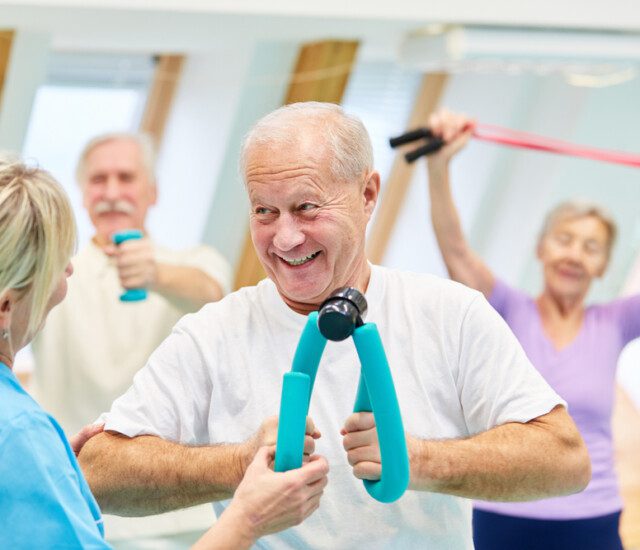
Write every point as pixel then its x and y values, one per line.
pixel 46 502
pixel 575 347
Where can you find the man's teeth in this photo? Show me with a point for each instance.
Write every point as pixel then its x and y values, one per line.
pixel 301 261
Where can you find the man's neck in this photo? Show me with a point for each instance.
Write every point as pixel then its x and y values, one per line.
pixel 101 241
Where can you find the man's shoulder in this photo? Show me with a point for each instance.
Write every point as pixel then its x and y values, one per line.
pixel 425 285
pixel 87 254
pixel 403 297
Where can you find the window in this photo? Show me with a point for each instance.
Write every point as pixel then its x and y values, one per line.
pixel 84 95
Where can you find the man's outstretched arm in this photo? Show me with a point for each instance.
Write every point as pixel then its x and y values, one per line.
pixel 513 462
pixel 144 475
pixel 147 475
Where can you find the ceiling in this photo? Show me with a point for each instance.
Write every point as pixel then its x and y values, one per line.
pixel 196 25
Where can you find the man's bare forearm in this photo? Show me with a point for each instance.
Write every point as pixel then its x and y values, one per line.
pixel 147 475
pixel 186 284
pixel 513 462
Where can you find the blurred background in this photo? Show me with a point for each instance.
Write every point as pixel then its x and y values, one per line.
pixel 196 74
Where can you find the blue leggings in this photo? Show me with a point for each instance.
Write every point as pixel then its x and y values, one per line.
pixel 499 532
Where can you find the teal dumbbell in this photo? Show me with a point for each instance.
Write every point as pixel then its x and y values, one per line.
pixel 131 294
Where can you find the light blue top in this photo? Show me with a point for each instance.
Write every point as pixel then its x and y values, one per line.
pixel 45 501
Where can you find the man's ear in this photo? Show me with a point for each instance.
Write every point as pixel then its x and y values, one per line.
pixel 370 192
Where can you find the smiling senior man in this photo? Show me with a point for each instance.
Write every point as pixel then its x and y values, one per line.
pixel 480 422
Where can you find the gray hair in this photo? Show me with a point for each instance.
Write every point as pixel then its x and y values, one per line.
pixel 579 209
pixel 345 135
pixel 143 141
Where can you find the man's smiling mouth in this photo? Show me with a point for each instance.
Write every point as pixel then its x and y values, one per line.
pixel 300 261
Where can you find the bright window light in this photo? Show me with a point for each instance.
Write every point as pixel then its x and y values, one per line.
pixel 64 119
pixel 84 95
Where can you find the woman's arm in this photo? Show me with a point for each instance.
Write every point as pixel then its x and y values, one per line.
pixel 463 264
pixel 266 502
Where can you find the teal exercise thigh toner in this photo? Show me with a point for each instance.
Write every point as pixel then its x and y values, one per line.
pixel 131 294
pixel 339 317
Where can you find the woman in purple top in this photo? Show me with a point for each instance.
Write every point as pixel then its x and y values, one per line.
pixel 575 347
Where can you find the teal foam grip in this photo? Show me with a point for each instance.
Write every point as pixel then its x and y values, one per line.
pixel 377 393
pixel 294 405
pixel 363 403
pixel 310 349
pixel 293 415
pixel 131 294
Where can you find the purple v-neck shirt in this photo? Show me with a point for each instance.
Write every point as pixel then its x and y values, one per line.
pixel 582 373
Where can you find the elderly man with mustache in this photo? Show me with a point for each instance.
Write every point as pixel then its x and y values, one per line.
pixel 93 344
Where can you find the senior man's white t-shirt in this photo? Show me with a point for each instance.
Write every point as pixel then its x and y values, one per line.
pixel 457 368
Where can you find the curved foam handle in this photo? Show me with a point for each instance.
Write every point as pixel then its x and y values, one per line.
pixel 131 294
pixel 310 349
pixel 294 405
pixel 377 393
pixel 297 386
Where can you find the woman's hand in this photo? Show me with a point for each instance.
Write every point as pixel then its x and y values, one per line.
pixel 267 502
pixel 455 129
pixel 84 435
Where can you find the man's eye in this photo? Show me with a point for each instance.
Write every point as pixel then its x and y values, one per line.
pixel 307 206
pixel 261 210
pixel 563 238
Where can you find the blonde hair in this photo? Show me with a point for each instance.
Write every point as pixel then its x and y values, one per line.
pixel 143 141
pixel 37 234
pixel 573 209
pixel 346 137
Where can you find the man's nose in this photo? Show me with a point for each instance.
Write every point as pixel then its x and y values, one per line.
pixel 112 189
pixel 288 234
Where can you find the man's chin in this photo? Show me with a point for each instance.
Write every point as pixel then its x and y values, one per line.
pixel 108 229
pixel 311 297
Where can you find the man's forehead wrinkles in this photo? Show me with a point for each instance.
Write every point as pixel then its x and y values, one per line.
pixel 281 169
pixel 302 187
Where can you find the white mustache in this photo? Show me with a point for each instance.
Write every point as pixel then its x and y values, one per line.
pixel 119 206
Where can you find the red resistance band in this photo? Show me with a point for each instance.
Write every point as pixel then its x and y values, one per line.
pixel 513 138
